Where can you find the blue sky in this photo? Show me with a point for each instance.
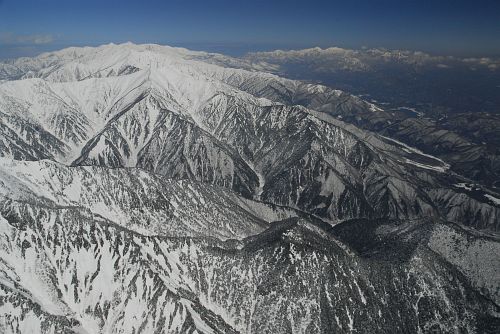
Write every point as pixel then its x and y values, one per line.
pixel 456 27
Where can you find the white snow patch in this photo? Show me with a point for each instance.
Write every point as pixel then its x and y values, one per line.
pixel 436 168
pixel 493 199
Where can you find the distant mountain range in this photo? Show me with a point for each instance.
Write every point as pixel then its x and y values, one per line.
pixel 146 188
pixel 445 106
pixel 435 85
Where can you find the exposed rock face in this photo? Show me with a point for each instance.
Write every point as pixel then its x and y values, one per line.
pixel 148 189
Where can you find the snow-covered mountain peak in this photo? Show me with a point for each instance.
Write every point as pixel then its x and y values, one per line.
pixel 146 188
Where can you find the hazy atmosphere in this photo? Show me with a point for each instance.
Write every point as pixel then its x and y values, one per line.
pixel 459 27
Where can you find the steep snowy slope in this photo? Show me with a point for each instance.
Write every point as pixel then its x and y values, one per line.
pixel 472 253
pixel 137 200
pixel 66 115
pixel 96 277
pixel 186 119
pixel 423 95
pixel 149 189
pixel 64 271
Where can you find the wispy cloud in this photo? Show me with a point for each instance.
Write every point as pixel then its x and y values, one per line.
pixel 15 39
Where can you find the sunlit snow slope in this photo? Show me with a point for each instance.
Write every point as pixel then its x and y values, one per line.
pixel 148 189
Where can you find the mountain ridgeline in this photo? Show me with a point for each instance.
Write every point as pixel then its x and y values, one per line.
pixel 446 106
pixel 148 189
